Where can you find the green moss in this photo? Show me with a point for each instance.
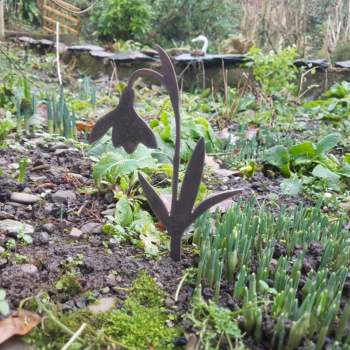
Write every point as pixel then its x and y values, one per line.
pixel 141 324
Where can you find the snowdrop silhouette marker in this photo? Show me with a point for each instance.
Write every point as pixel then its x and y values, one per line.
pixel 129 130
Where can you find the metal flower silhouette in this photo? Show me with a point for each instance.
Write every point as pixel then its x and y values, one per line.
pixel 129 130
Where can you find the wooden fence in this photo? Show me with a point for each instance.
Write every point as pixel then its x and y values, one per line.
pixel 52 13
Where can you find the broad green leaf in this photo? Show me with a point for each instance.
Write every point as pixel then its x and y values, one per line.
pixel 124 183
pixel 202 192
pixel 344 170
pixel 162 157
pixel 305 149
pixel 123 215
pixel 150 238
pixel 164 118
pixel 2 294
pixel 327 144
pixel 4 308
pixel 144 158
pixel 278 156
pixel 291 186
pixel 214 138
pixel 347 158
pixel 120 87
pixel 324 173
pixel 97 151
pixel 153 123
pixel 165 133
pixel 111 160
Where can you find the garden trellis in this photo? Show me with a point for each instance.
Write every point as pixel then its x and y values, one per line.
pixel 68 20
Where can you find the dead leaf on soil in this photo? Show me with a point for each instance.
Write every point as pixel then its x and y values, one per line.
pixel 18 325
pixel 82 126
pixel 166 198
pixel 211 161
pixel 251 132
pixel 222 134
pixel 224 172
pixel 4 232
pixel 42 111
pixel 227 203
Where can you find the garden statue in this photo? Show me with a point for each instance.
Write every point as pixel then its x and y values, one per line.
pixel 129 130
pixel 202 52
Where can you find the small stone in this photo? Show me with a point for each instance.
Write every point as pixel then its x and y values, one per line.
pixel 119 278
pixel 49 228
pixel 15 205
pixel 113 243
pixel 180 341
pixel 111 277
pixel 63 196
pixel 109 212
pixel 24 198
pixel 169 301
pixel 45 156
pixel 4 216
pixel 111 206
pixel 269 283
pixel 224 188
pixel 92 228
pixel 28 208
pixel 41 167
pixel 27 190
pixel 159 284
pixel 138 265
pixel 274 262
pixel 64 225
pixel 44 237
pixel 237 178
pixel 29 269
pixel 58 146
pixel 80 303
pixel 75 234
pixel 76 176
pixel 3 263
pixel 38 179
pixel 225 179
pixel 327 195
pixel 13 227
pixel 344 205
pixel 272 197
pixel 105 290
pixel 192 342
pixel 60 152
pixel 182 298
pixel 103 305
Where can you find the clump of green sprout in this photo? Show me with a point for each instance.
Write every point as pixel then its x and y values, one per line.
pixel 22 168
pixel 227 252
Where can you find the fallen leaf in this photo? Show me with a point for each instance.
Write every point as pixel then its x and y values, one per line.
pixel 251 132
pixel 227 203
pixel 35 67
pixel 82 126
pixel 42 111
pixel 18 325
pixel 4 232
pixel 211 161
pixel 166 198
pixel 222 134
pixel 224 172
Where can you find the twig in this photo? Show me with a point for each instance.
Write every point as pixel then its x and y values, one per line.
pixel 82 207
pixel 74 337
pixel 17 69
pixel 92 278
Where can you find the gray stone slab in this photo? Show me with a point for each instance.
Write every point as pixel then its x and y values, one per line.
pixel 343 64
pixel 132 56
pixel 312 63
pixel 102 54
pixel 45 42
pixel 86 48
pixel 186 58
pixel 28 39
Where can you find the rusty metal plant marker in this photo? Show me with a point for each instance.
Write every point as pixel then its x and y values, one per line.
pixel 129 130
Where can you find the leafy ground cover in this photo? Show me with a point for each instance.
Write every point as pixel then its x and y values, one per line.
pixel 84 262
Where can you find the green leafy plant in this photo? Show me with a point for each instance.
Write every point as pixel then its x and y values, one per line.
pixel 6 125
pixel 22 168
pixel 22 235
pixel 4 306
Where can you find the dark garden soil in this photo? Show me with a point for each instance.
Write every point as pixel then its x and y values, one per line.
pixel 52 222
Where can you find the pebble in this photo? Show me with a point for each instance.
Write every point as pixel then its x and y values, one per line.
pixel 58 146
pixel 76 176
pixel 24 198
pixel 63 196
pixel 182 298
pixel 44 237
pixel 80 303
pixel 38 179
pixel 45 156
pixel 119 278
pixel 272 197
pixel 13 227
pixel 92 228
pixel 113 243
pixel 27 190
pixel 14 205
pixel 41 167
pixel 169 301
pixel 49 228
pixel 75 234
pixel 111 206
pixel 180 341
pixel 192 342
pixel 224 188
pixel 109 212
pixel 103 305
pixel 225 179
pixel 111 277
pixel 138 265
pixel 105 290
pixel 60 152
pixel 29 269
pixel 4 215
pixel 28 208
pixel 3 263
